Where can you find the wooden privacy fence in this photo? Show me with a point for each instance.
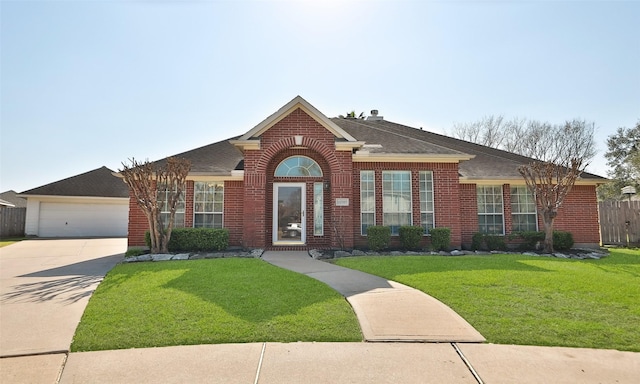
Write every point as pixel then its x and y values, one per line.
pixel 614 216
pixel 12 222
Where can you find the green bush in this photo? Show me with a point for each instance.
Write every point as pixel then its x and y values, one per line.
pixel 495 242
pixel 477 241
pixel 378 237
pixel 562 240
pixel 440 238
pixel 531 239
pixel 488 242
pixel 410 236
pixel 195 239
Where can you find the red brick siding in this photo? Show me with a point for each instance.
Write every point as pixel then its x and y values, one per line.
pixel 446 197
pixel 138 223
pixel 188 205
pixel 234 211
pixel 579 215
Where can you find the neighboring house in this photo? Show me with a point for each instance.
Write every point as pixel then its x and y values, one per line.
pixel 94 203
pixel 12 197
pixel 12 214
pixel 299 179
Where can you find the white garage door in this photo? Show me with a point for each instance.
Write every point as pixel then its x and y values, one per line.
pixel 78 220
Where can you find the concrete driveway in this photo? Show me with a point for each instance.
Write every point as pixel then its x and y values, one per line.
pixel 44 288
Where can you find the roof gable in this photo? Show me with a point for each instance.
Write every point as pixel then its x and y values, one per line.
pixel 287 109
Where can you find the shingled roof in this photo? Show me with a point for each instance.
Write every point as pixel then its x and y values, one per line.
pixel 97 183
pixel 488 163
pixel 219 159
pixel 12 197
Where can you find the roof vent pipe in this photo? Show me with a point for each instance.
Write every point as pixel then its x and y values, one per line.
pixel 374 115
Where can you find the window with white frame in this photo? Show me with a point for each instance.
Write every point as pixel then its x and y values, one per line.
pixel 298 166
pixel 396 199
pixel 208 204
pixel 490 209
pixel 426 201
pixel 367 200
pixel 523 209
pixel 318 209
pixel 163 203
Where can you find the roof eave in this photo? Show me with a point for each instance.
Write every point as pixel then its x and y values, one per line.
pixel 364 156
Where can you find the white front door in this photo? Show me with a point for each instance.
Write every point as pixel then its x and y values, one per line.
pixel 289 213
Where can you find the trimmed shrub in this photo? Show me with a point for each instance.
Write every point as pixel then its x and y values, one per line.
pixel 477 241
pixel 488 242
pixel 440 238
pixel 495 242
pixel 195 239
pixel 531 239
pixel 378 237
pixel 410 236
pixel 562 240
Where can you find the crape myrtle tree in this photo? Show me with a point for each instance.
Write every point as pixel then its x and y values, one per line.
pixel 156 186
pixel 560 153
pixel 550 183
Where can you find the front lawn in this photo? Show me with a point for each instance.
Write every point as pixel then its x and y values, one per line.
pixel 211 301
pixel 528 300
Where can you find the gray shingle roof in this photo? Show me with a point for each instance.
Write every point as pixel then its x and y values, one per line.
pixel 488 163
pixel 97 183
pixel 12 197
pixel 214 159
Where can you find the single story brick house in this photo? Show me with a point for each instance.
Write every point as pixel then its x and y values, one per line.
pixel 302 180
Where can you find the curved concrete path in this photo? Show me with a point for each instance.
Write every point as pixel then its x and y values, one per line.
pixel 386 310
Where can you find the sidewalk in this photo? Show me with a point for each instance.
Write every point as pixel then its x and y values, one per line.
pixel 387 310
pixel 267 363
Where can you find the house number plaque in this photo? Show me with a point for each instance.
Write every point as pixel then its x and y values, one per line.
pixel 342 202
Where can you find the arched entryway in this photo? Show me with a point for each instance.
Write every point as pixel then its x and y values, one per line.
pixel 297 207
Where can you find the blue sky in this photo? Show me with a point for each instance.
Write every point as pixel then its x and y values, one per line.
pixel 92 83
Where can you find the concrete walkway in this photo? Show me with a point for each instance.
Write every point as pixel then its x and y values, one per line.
pixel 387 310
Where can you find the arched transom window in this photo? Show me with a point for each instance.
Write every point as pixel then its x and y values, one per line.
pixel 298 166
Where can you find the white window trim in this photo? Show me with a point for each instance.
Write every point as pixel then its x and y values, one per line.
pixel 433 197
pixel 492 214
pixel 374 199
pixel 535 210
pixel 410 198
pixel 176 224
pixel 207 213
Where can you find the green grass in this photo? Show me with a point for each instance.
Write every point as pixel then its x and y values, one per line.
pixel 211 301
pixel 514 299
pixel 5 242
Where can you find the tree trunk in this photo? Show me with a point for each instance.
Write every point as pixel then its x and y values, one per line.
pixel 548 216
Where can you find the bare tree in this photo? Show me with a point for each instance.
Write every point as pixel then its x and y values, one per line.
pixel 145 182
pixel 550 183
pixel 555 143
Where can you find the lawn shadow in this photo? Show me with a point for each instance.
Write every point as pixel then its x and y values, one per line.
pixel 256 293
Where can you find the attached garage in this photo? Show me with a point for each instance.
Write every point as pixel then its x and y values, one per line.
pixel 82 219
pixel 92 204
